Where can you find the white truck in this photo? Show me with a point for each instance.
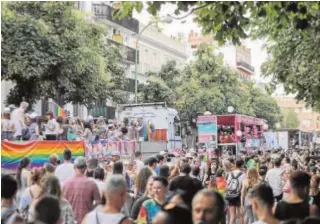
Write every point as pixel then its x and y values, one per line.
pixel 165 121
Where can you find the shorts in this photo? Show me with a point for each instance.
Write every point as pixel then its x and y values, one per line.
pixel 234 201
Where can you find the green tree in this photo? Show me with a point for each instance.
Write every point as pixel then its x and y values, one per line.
pixel 291 28
pixel 50 50
pixel 290 119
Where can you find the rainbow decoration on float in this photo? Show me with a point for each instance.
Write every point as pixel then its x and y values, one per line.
pixel 37 151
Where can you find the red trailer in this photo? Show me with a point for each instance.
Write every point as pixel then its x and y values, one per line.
pixel 238 132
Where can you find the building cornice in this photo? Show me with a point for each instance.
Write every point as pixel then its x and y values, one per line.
pixel 163 46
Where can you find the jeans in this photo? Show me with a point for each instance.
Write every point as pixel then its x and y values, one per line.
pixel 250 215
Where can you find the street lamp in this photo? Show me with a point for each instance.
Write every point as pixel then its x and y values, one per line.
pixel 167 20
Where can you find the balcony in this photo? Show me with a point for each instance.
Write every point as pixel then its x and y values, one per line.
pixel 129 53
pixel 105 12
pixel 245 66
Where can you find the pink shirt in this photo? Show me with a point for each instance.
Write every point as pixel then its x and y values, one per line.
pixel 81 192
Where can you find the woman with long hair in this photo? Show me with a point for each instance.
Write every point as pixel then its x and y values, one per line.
pixel 211 173
pixel 247 185
pixel 51 187
pixel 34 191
pixel 140 183
pixel 23 174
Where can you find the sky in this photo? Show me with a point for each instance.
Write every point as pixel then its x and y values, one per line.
pixel 258 55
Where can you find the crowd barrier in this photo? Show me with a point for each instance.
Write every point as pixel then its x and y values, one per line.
pixel 39 151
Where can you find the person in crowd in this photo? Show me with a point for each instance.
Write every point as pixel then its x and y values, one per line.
pixel 80 191
pixel 98 175
pixel 65 170
pixel 79 128
pixel 33 192
pixel 152 163
pixel 51 128
pixel 186 183
pixel 116 194
pixel 262 173
pixel 247 186
pixel 141 182
pixel 118 168
pixel 195 172
pixel 138 203
pixel 174 170
pixel 221 182
pixel 115 156
pixel 87 134
pixel 47 211
pixel 9 188
pixel 151 207
pixel 30 132
pixel 296 205
pixel 23 174
pixel 172 214
pixel 315 195
pixel 7 126
pixel 18 118
pixel 262 202
pixel 211 172
pixel 51 187
pixel 208 207
pixel 53 159
pixel 63 128
pixel 274 179
pixel 164 171
pixel 138 161
pixel 49 168
pixel 160 159
pixel 91 166
pixel 233 193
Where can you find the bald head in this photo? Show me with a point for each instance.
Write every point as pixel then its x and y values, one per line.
pixel 207 207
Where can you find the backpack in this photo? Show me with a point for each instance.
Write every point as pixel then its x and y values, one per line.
pixel 25 134
pixel 233 186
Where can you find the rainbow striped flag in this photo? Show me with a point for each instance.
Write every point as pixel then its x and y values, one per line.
pixel 37 151
pixel 58 111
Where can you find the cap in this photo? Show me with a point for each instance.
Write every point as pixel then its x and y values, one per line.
pixel 80 162
pixel 116 153
pixel 162 153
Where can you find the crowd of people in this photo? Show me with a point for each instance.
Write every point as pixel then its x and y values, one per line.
pixel 262 188
pixel 18 125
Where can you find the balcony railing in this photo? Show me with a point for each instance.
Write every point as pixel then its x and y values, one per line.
pixel 129 53
pixel 105 12
pixel 245 66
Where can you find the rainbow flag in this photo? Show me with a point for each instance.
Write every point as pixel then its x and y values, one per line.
pixel 58 111
pixel 37 151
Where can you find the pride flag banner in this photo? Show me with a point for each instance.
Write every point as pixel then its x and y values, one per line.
pixel 37 151
pixel 58 111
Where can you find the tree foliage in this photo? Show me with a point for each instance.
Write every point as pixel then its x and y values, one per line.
pixel 290 119
pixel 50 50
pixel 291 29
pixel 205 84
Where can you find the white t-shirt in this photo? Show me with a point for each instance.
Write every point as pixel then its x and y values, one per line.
pixel 53 125
pixel 64 172
pixel 273 178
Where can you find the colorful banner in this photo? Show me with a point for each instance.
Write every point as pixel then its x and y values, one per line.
pixel 58 111
pixel 37 151
pixel 103 150
pixel 207 130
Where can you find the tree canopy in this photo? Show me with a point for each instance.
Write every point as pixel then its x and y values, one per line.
pixel 205 84
pixel 50 50
pixel 290 28
pixel 290 119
